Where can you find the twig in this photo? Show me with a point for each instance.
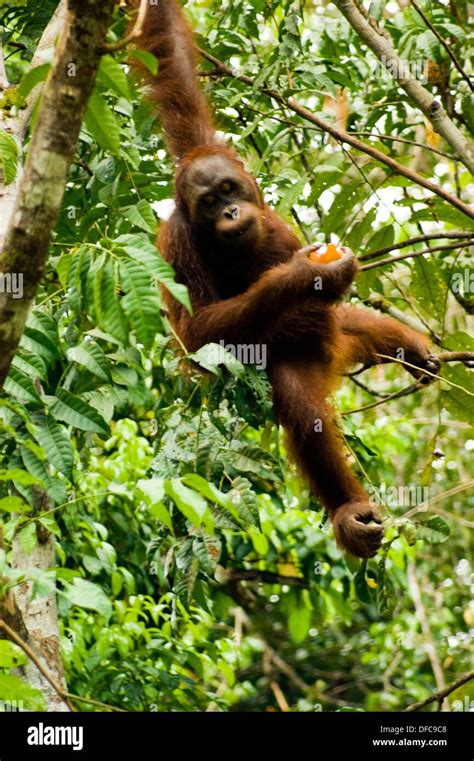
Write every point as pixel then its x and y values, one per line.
pixel 365 388
pixel 427 504
pixel 279 696
pixel 449 356
pixel 425 372
pixel 456 356
pixel 404 392
pixel 412 242
pixel 445 45
pixel 265 577
pixel 407 142
pixel 412 254
pixel 452 517
pixel 438 697
pixel 34 658
pixel 422 617
pixel 344 137
pixel 135 32
pixel 63 694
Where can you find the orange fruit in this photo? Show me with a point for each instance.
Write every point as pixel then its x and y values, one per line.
pixel 329 253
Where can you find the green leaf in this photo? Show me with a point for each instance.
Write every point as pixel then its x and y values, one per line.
pixel 10 655
pixel 299 622
pixel 37 343
pixel 433 530
pixel 91 356
pixel 57 445
pixel 30 365
pixel 138 247
pixel 141 215
pixel 87 595
pixel 76 412
pixel 140 302
pixel 30 79
pixel 207 489
pixel 14 505
pixel 153 488
pixel 191 504
pixel 28 538
pixel 459 403
pixel 147 59
pixel 15 691
pixel 112 76
pixel 429 287
pixel 101 123
pixel 360 584
pixel 108 307
pixel 8 157
pixel 21 387
pixel 19 477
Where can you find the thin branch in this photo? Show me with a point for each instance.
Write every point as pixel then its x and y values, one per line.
pixel 452 517
pixel 412 254
pixel 422 617
pixel 404 392
pixel 371 391
pixel 34 658
pixel 427 505
pixel 136 31
pixel 407 142
pixel 264 577
pixel 456 356
pixel 344 137
pixel 63 694
pixel 383 49
pixel 445 45
pixel 425 372
pixel 449 356
pixel 438 697
pixel 412 242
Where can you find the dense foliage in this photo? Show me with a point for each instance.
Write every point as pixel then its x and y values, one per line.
pixel 193 570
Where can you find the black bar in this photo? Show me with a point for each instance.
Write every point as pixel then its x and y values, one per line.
pixel 138 735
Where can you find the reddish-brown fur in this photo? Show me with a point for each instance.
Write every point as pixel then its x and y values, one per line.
pixel 264 293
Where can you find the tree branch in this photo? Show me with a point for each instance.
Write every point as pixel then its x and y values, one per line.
pixel 63 694
pixel 34 658
pixel 136 31
pixel 344 137
pixel 412 254
pixel 422 617
pixel 438 697
pixel 433 110
pixel 412 242
pixel 405 141
pixel 264 577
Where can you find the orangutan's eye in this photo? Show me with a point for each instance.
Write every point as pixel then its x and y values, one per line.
pixel 226 187
pixel 209 200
